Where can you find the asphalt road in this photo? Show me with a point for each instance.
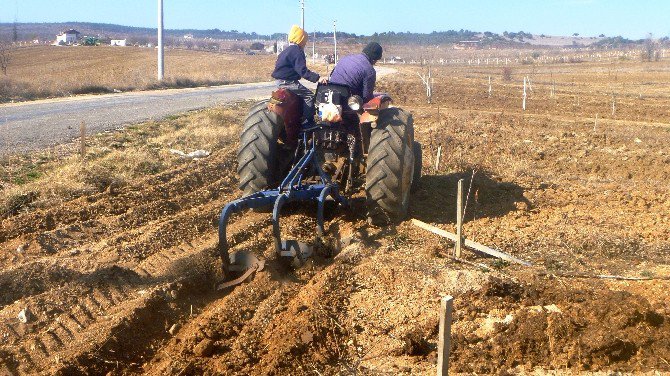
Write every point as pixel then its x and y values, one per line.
pixel 36 125
pixel 30 126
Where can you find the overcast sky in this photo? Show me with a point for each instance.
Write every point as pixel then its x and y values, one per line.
pixel 632 19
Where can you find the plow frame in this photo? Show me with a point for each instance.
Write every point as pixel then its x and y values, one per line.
pixel 293 188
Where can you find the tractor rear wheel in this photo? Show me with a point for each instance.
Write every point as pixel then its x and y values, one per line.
pixel 258 153
pixel 390 167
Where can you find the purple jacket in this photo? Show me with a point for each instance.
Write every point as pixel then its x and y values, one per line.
pixel 291 65
pixel 357 72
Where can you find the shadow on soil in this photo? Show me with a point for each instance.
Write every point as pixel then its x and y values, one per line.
pixel 434 200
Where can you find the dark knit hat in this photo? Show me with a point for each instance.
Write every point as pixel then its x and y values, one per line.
pixel 373 51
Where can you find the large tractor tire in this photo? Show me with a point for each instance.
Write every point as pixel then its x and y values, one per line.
pixel 258 154
pixel 390 167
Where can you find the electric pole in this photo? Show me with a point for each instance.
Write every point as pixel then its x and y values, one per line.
pixel 313 46
pixel 335 38
pixel 302 11
pixel 160 41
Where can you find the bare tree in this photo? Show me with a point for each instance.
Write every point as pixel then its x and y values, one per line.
pixel 650 52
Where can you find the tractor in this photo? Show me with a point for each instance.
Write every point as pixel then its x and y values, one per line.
pixel 352 146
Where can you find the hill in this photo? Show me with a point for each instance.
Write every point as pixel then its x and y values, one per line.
pixel 143 35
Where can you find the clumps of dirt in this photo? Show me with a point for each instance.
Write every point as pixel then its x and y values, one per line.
pixel 201 271
pixel 541 323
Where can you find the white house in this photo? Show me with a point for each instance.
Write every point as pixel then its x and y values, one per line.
pixel 118 42
pixel 68 37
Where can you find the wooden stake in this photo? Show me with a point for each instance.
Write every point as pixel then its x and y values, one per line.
pixel 489 86
pixel 459 218
pixel 437 160
pixel 444 340
pixel 524 94
pixel 82 138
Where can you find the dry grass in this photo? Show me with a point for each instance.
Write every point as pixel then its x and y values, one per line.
pixel 48 71
pixel 113 159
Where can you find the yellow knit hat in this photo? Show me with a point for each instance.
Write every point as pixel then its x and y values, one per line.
pixel 297 36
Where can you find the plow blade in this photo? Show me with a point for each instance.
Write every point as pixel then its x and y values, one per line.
pixel 245 262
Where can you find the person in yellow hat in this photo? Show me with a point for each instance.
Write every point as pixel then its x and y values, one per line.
pixel 291 66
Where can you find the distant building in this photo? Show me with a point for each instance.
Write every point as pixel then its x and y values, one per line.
pixel 188 36
pixel 118 42
pixel 467 44
pixel 68 37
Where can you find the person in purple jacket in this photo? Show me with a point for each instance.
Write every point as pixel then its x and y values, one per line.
pixel 357 71
pixel 291 66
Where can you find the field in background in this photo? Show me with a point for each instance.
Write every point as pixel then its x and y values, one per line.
pixel 114 254
pixel 48 71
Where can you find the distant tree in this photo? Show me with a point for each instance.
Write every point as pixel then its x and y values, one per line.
pixel 90 41
pixel 601 36
pixel 650 52
pixel 257 46
pixel 507 74
pixel 575 34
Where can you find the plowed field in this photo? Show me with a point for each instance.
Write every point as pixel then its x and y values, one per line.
pixel 117 276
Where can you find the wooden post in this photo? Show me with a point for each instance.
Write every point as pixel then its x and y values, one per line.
pixel 444 340
pixel 459 218
pixel 489 86
pixel 595 125
pixel 524 94
pixel 82 139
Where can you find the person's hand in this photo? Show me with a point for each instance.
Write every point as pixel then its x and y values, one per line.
pixel 323 80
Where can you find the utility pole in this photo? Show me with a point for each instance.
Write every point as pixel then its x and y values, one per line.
pixel 160 41
pixel 335 38
pixel 313 46
pixel 302 9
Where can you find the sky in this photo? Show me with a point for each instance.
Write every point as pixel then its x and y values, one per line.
pixel 631 19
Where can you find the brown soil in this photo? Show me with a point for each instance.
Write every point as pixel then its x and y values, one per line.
pixel 121 281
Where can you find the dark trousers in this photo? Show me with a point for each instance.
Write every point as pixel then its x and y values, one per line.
pixel 307 96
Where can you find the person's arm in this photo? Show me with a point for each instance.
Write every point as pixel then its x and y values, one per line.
pixel 300 66
pixel 369 84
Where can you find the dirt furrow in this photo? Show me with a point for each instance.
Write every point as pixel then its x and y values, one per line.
pixel 167 186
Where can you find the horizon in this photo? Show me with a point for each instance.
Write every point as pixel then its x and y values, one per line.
pixel 588 18
pixel 317 31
